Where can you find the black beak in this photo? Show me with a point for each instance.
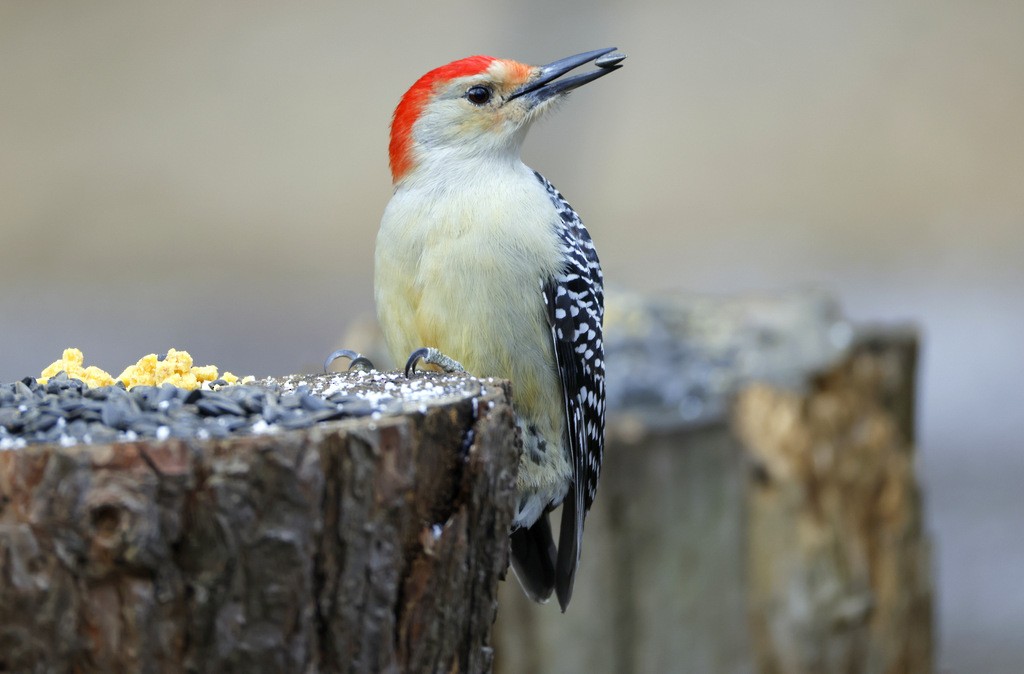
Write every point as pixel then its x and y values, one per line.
pixel 548 84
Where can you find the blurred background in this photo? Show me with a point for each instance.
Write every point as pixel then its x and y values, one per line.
pixel 210 176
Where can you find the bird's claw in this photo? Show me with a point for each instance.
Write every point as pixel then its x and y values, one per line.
pixel 431 356
pixel 359 361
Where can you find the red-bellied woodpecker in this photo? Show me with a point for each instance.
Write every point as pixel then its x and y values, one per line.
pixel 482 261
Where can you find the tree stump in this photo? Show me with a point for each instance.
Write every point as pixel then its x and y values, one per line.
pixel 362 545
pixel 679 571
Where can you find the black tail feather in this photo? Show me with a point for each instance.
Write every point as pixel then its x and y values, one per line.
pixel 569 533
pixel 533 559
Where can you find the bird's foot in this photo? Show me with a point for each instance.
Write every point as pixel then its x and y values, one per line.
pixel 359 362
pixel 432 356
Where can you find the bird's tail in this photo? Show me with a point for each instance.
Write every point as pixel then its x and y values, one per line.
pixel 533 559
pixel 570 537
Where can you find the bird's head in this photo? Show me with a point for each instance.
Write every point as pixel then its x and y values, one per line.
pixel 481 105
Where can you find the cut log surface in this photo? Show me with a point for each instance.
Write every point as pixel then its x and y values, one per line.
pixel 364 545
pixel 677 361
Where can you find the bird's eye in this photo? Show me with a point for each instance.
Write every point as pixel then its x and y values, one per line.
pixel 478 95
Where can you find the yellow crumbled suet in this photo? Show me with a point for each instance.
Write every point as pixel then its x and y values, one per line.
pixel 71 361
pixel 176 368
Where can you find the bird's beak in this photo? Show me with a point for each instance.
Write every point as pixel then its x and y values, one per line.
pixel 548 85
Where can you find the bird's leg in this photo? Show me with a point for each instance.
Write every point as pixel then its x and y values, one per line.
pixel 359 362
pixel 432 356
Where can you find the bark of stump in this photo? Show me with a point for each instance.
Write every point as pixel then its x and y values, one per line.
pixel 355 546
pixel 839 563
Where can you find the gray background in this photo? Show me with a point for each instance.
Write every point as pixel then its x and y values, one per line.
pixel 210 176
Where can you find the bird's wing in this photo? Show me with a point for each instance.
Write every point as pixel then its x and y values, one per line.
pixel 574 298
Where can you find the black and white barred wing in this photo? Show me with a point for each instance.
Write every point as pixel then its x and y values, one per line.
pixel 575 304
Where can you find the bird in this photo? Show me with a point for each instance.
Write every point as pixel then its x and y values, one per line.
pixel 482 266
